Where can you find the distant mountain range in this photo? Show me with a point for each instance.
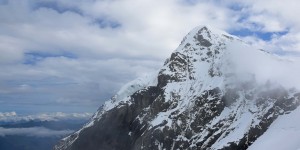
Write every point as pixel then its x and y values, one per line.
pixel 36 133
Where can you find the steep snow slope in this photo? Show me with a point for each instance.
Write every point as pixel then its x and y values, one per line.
pixel 283 134
pixel 207 95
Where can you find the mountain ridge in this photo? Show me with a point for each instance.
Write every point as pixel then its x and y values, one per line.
pixel 204 97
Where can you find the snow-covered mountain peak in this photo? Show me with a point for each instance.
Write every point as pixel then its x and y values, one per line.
pixel 210 56
pixel 204 55
pixel 206 36
pixel 207 95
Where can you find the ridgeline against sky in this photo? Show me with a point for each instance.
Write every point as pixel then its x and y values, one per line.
pixel 72 55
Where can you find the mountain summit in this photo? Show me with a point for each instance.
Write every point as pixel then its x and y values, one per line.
pixel 207 95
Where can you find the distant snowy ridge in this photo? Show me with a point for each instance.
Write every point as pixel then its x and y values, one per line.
pixel 214 92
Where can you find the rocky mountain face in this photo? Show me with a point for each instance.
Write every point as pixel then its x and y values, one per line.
pixel 202 98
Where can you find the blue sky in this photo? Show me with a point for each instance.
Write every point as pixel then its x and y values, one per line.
pixel 71 56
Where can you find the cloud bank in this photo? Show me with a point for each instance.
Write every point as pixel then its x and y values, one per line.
pixel 33 131
pixel 78 53
pixel 58 116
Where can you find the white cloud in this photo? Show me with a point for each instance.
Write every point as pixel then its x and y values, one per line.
pixel 147 27
pixel 103 57
pixel 33 131
pixel 280 70
pixel 268 23
pixel 274 16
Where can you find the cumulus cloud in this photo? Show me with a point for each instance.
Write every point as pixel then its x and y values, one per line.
pixel 33 131
pixel 273 17
pixel 80 52
pixel 83 51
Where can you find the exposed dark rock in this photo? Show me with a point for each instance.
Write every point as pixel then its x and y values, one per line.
pixel 202 41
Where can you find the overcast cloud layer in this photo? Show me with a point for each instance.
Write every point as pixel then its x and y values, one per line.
pixel 79 53
pixel 8 117
pixel 33 131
